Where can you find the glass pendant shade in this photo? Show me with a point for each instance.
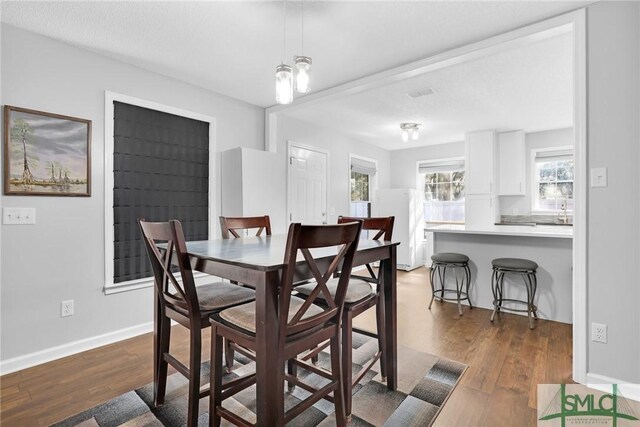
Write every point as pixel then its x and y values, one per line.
pixel 414 134
pixel 404 135
pixel 303 66
pixel 284 84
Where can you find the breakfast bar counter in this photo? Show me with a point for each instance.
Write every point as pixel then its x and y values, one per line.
pixel 555 231
pixel 548 245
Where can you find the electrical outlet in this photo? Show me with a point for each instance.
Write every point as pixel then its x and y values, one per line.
pixel 66 308
pixel 599 332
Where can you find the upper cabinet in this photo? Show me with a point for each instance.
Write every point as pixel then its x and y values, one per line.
pixel 511 164
pixel 480 162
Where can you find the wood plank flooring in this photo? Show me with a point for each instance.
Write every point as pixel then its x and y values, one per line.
pixel 506 361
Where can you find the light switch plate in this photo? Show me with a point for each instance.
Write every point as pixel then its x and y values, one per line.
pixel 598 177
pixel 18 216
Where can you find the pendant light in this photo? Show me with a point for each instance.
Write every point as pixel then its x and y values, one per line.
pixel 284 84
pixel 284 75
pixel 302 63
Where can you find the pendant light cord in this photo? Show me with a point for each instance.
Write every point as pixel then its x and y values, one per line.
pixel 284 30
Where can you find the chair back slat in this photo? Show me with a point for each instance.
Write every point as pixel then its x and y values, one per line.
pixel 172 236
pixel 303 238
pixel 383 226
pixel 229 226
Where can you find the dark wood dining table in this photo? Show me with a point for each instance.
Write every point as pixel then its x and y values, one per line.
pixel 258 261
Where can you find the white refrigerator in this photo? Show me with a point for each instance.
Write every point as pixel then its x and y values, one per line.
pixel 407 207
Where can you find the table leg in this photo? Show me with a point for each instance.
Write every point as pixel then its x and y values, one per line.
pixel 389 267
pixel 267 352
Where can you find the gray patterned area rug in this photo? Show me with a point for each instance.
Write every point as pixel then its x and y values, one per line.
pixel 425 382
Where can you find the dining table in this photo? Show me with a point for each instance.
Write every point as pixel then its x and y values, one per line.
pixel 258 262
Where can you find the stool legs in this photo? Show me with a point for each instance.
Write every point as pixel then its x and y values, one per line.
pixel 442 272
pixel 455 274
pixel 531 285
pixel 467 272
pixel 462 284
pixel 496 289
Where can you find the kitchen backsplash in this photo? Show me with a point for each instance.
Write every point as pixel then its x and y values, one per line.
pixel 538 219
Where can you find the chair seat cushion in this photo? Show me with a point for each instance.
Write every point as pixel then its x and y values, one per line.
pixel 449 257
pixel 514 264
pixel 357 290
pixel 244 316
pixel 220 295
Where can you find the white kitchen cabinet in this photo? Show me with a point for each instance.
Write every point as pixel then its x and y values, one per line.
pixel 511 161
pixel 253 183
pixel 481 211
pixel 480 163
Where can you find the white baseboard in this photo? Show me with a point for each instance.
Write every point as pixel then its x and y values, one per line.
pixel 603 383
pixel 53 353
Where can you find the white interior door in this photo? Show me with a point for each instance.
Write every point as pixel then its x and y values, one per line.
pixel 307 185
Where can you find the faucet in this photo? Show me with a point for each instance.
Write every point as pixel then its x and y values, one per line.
pixel 563 207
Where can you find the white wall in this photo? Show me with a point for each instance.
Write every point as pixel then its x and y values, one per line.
pixel 340 147
pixel 534 140
pixel 613 83
pixel 61 257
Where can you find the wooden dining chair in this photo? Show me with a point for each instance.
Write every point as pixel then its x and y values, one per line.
pixel 301 324
pixel 364 292
pixel 180 300
pixel 230 226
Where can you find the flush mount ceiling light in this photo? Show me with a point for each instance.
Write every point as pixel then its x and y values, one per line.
pixel 409 130
pixel 284 75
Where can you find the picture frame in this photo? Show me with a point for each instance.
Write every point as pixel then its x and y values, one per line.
pixel 46 154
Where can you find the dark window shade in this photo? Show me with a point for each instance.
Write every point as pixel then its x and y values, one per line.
pixel 160 172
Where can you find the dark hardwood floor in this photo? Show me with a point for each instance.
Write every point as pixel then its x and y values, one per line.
pixel 506 361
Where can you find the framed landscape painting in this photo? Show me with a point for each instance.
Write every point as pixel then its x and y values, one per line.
pixel 46 154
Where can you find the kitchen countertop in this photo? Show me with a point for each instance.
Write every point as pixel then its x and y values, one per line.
pixel 555 231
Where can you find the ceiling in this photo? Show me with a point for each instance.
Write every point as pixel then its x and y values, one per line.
pixel 529 87
pixel 233 47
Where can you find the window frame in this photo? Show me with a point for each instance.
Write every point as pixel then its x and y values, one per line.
pixel 562 149
pixel 444 161
pixel 109 286
pixel 373 180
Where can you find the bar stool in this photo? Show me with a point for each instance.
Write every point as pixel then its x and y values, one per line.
pixel 440 263
pixel 524 267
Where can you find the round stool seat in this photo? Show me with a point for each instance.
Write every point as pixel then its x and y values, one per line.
pixel 514 264
pixel 449 257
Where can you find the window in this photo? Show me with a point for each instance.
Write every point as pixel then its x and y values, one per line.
pixel 362 176
pixel 161 172
pixel 553 180
pixel 158 166
pixel 443 183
